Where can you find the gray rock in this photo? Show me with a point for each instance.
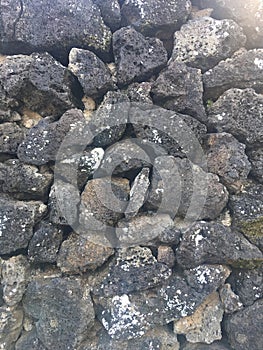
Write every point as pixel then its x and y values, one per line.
pixel 29 340
pixel 44 245
pixel 15 276
pixel 110 12
pixel 180 88
pixel 204 42
pixel 140 92
pixel 204 326
pixel 11 135
pixel 247 213
pixel 10 326
pixel 166 255
pixel 247 14
pixel 256 159
pixel 134 269
pixel 43 141
pixel 78 254
pixel 138 193
pixel 239 113
pixel 216 244
pixel 226 157
pixel 17 220
pixel 39 83
pixel 230 300
pixel 137 58
pixel 156 17
pixel 23 180
pixel 93 75
pixel 243 70
pixel 214 346
pixel 243 328
pixel 63 309
pixel 28 27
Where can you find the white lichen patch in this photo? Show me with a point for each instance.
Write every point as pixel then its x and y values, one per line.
pixel 258 62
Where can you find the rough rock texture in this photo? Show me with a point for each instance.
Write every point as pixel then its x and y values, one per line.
pixel 243 70
pixel 11 323
pixel 11 136
pixel 93 75
pixel 137 57
pixel 241 331
pixel 140 92
pixel 63 309
pixel 45 26
pixel 156 17
pixel 202 43
pixel 239 112
pixel 39 83
pixel 226 157
pixel 110 12
pixel 256 159
pixel 17 220
pixel 214 346
pixel 216 244
pixel 230 300
pixel 247 213
pixel 180 88
pixel 29 340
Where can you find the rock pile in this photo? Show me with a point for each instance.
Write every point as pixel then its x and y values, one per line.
pixel 131 157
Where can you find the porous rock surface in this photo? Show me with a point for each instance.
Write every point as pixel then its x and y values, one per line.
pixel 131 194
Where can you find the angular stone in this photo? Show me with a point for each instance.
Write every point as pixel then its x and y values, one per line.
pixel 22 180
pixel 93 75
pixel 29 340
pixel 216 244
pixel 166 255
pixel 134 269
pixel 44 245
pixel 238 112
pixel 17 220
pixel 138 193
pixel 230 300
pixel 204 325
pixel 243 70
pixel 11 135
pixel 214 346
pixel 43 141
pixel 140 92
pixel 110 12
pixel 63 309
pixel 11 321
pixel 243 327
pixel 78 254
pixel 256 159
pixel 204 42
pixel 248 14
pixel 180 88
pixel 29 27
pixel 39 83
pixel 247 284
pixel 15 275
pixel 247 213
pixel 157 17
pixel 226 157
pixel 137 58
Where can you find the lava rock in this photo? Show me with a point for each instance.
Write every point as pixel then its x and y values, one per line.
pixel 140 92
pixel 110 12
pixel 226 157
pixel 15 276
pixel 93 75
pixel 134 269
pixel 166 255
pixel 17 220
pixel 29 340
pixel 216 244
pixel 204 325
pixel 243 70
pixel 11 135
pixel 23 180
pixel 136 57
pixel 159 17
pixel 239 113
pixel 44 245
pixel 204 42
pixel 247 213
pixel 43 141
pixel 247 284
pixel 230 300
pixel 241 332
pixel 180 88
pixel 138 193
pixel 64 311
pixel 247 14
pixel 256 159
pixel 11 323
pixel 45 26
pixel 78 254
pixel 39 83
pixel 214 346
